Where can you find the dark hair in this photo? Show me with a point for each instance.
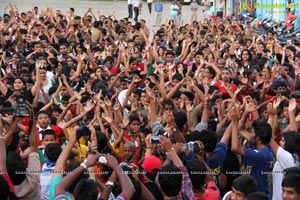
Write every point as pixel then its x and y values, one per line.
pixel 86 189
pixel 102 141
pixel 177 77
pixel 170 180
pixel 167 102
pixel 196 170
pixel 245 184
pixel 180 119
pixel 257 196
pixel 42 112
pixel 280 84
pixel 48 132
pixel 249 53
pixel 189 95
pixel 52 151
pixel 83 175
pixel 211 71
pixel 21 79
pixel 15 168
pixel 293 181
pixel 292 170
pixel 133 118
pixel 65 98
pixel 292 141
pixel 263 130
pixel 209 139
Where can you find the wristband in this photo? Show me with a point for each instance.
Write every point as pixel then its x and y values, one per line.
pixel 109 183
pixel 2 137
pixel 83 165
pixel 94 148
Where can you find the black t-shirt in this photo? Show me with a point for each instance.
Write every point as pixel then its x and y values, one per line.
pixel 27 94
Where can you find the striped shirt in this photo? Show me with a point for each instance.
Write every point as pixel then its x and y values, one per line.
pixel 29 189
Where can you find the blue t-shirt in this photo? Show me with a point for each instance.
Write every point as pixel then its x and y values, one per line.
pixel 53 185
pixel 279 78
pixel 259 163
pixel 216 162
pixel 174 12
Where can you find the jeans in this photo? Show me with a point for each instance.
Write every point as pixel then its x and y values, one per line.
pixel 129 10
pixel 136 13
pixel 150 7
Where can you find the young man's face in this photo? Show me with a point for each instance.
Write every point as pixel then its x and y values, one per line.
pixel 134 127
pixel 237 195
pixel 63 49
pixel 48 139
pixel 168 108
pixel 43 120
pixel 289 193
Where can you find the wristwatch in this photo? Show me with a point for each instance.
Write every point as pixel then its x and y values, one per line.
pixel 109 183
pixel 83 165
pixel 174 129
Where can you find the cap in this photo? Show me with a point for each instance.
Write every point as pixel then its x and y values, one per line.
pixel 152 164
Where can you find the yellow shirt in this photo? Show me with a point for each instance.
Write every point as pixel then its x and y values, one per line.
pixel 82 149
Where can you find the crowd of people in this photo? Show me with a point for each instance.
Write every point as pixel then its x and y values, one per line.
pixel 92 107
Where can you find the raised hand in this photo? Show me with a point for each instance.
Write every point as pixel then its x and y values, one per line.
pixel 292 105
pixel 117 106
pixel 107 102
pixel 89 106
pixel 106 118
pixel 233 114
pixel 166 144
pixel 188 105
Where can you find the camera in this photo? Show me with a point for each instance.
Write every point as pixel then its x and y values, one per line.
pixel 102 160
pixel 192 146
pixel 83 130
pixel 21 109
pixel 295 94
pixel 127 168
pixel 155 140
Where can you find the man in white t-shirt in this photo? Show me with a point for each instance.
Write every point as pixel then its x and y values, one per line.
pixel 220 8
pixel 194 9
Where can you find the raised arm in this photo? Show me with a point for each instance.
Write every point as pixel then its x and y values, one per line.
pixel 233 115
pixel 60 164
pixel 3 87
pixel 125 182
pixel 3 169
pixel 68 180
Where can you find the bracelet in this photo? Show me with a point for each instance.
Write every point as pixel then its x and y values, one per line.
pixel 109 183
pixel 94 148
pixel 149 148
pixel 83 165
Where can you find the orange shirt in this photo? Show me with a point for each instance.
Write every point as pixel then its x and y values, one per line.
pixel 289 20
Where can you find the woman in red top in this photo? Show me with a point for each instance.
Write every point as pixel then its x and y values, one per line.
pixel 225 86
